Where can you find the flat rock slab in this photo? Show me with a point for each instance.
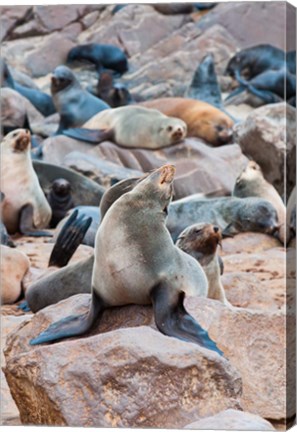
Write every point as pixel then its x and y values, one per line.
pixel 133 377
pixel 249 242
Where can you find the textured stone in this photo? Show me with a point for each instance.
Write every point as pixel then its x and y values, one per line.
pixel 248 242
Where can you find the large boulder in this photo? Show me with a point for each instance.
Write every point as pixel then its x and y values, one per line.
pixel 232 420
pixel 129 377
pixel 268 136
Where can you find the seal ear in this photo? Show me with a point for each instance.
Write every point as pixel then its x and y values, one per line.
pixel 230 231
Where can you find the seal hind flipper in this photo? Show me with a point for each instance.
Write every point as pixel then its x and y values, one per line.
pixel 24 306
pixel 172 319
pixel 26 223
pixel 69 238
pixel 73 325
pixel 92 136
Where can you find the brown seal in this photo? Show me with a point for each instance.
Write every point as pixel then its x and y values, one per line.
pixel 202 119
pixel 201 241
pixel 132 127
pixel 25 208
pixel 132 266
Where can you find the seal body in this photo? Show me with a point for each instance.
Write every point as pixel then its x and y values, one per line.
pixel 60 199
pixel 101 55
pixel 202 119
pixel 14 265
pixel 139 127
pixel 231 214
pixel 74 104
pixel 20 184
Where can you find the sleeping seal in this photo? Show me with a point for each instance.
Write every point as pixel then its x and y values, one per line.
pixel 25 208
pixel 132 266
pixel 74 104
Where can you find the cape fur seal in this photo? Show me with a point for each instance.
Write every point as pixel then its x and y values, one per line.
pixel 131 266
pixel 102 56
pixel 201 242
pixel 251 183
pixel 114 94
pixel 132 127
pixel 74 104
pixel 202 119
pixel 14 264
pixel 233 215
pixel 60 199
pixel 25 208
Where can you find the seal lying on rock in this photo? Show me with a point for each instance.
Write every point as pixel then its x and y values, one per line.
pixel 251 183
pixel 233 215
pixel 202 119
pixel 132 266
pixel 201 241
pixel 74 104
pixel 132 127
pixel 25 208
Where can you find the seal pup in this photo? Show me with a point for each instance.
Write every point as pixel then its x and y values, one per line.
pixel 202 119
pixel 251 183
pixel 132 127
pixel 41 101
pixel 201 242
pixel 14 264
pixel 149 270
pixel 233 215
pixel 204 85
pixel 74 104
pixel 101 55
pixel 60 199
pixel 114 94
pixel 25 208
pixel 4 237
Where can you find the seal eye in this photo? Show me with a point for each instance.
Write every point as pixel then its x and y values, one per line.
pixel 169 128
pixel 219 128
pixel 198 231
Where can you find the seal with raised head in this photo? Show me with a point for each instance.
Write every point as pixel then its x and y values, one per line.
pixel 102 56
pixel 251 183
pixel 132 127
pixel 74 104
pixel 25 208
pixel 233 215
pixel 114 94
pixel 60 199
pixel 201 242
pixel 133 267
pixel 202 119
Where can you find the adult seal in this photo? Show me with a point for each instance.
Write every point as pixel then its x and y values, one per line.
pixel 201 242
pixel 101 55
pixel 132 127
pixel 25 208
pixel 233 215
pixel 202 119
pixel 74 104
pixel 251 183
pixel 132 266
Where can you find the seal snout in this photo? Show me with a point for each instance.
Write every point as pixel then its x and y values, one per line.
pixel 167 173
pixel 178 134
pixel 225 135
pixel 22 139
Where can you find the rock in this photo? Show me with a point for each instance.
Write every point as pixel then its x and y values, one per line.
pixel 23 79
pixel 249 242
pixel 270 130
pixel 55 148
pixel 37 55
pixel 101 171
pixel 232 420
pixel 10 16
pixel 267 21
pixel 143 379
pixel 9 411
pixel 255 344
pixel 14 265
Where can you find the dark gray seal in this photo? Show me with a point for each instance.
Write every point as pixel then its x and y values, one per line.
pixel 132 266
pixel 114 94
pixel 74 104
pixel 60 199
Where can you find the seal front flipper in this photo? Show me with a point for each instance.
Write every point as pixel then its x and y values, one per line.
pixel 230 230
pixel 69 238
pixel 92 136
pixel 173 320
pixel 26 223
pixel 73 325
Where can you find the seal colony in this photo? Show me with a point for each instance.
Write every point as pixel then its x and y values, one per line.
pixel 124 275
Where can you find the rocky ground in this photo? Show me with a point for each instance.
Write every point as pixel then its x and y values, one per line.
pixel 126 373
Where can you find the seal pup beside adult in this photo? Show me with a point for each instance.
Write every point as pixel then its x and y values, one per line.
pixel 114 94
pixel 25 208
pixel 202 119
pixel 151 270
pixel 101 55
pixel 251 183
pixel 60 199
pixel 74 104
pixel 132 127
